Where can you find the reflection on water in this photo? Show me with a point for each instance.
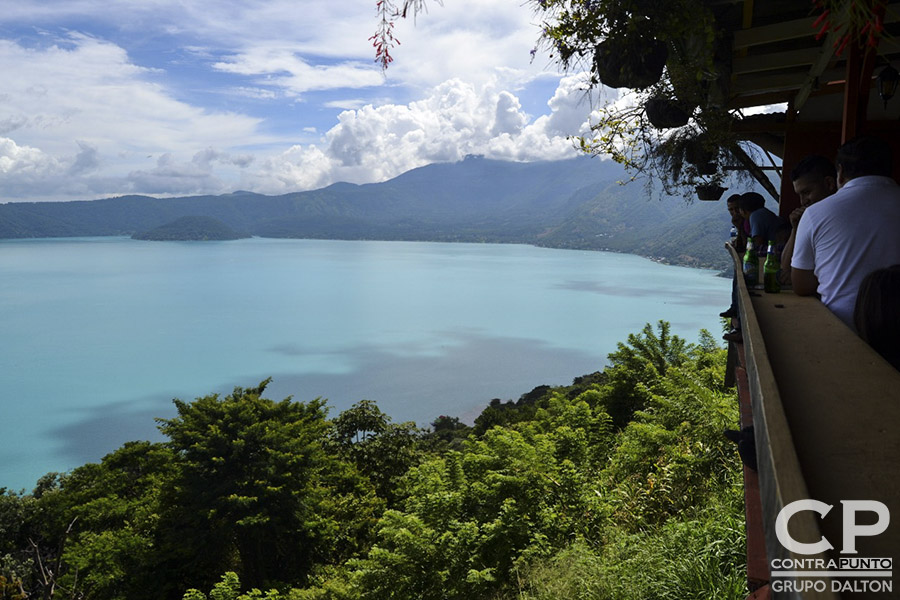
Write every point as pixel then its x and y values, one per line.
pixel 108 330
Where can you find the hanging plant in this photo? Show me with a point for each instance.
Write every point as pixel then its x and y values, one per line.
pixel 673 54
pixel 630 62
pixel 666 113
pixel 710 191
pixel 698 152
pixel 860 21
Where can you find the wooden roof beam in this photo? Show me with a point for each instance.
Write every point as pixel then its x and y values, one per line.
pixel 813 78
pixel 774 60
pixel 777 32
pixel 793 29
pixel 761 83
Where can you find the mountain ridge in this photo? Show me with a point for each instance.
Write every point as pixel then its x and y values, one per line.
pixel 575 203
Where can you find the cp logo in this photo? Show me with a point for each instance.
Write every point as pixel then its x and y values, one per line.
pixel 851 529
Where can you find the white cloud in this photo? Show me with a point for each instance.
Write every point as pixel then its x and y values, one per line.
pixel 15 159
pixel 29 172
pixel 349 104
pixel 570 106
pixel 173 177
pixel 769 108
pixel 82 95
pixel 82 116
pixel 284 68
pixel 368 144
pixel 93 92
pixel 455 119
pixel 508 118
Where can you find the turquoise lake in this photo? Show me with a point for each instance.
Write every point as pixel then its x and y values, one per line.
pixel 97 335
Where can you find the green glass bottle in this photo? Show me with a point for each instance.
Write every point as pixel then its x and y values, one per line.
pixel 751 264
pixel 770 271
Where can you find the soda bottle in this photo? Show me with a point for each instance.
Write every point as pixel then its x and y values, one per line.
pixel 751 264
pixel 733 235
pixel 770 271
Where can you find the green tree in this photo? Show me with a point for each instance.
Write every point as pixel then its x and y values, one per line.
pixel 661 349
pixel 672 456
pixel 17 518
pixel 383 450
pixel 256 492
pixel 470 519
pixel 447 433
pixel 562 500
pixel 87 534
pixel 114 506
pixel 636 365
pixel 229 588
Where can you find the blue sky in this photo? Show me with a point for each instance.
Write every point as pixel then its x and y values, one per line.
pixel 182 97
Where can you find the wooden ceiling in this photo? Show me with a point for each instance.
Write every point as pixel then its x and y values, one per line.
pixel 776 58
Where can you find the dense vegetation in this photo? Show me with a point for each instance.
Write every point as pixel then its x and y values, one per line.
pixel 618 486
pixel 191 228
pixel 564 204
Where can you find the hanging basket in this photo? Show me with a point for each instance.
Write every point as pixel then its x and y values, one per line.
pixel 665 113
pixel 696 153
pixel 709 168
pixel 630 62
pixel 709 191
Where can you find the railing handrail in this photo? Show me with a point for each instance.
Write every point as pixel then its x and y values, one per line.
pixel 781 479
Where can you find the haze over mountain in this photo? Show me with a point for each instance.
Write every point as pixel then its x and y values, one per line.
pixel 576 203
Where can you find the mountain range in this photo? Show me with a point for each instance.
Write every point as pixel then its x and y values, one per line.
pixel 576 203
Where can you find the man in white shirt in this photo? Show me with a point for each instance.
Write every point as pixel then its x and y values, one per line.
pixel 814 178
pixel 849 234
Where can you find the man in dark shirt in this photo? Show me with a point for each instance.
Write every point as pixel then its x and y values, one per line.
pixel 765 226
pixel 739 243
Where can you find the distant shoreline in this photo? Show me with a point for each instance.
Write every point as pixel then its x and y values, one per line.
pixel 721 272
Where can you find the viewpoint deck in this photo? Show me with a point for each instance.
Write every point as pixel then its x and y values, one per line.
pixel 826 410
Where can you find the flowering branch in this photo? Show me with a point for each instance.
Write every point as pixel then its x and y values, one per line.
pixel 861 21
pixel 384 39
pixel 388 12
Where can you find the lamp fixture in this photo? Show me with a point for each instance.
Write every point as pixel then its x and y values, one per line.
pixel 887 82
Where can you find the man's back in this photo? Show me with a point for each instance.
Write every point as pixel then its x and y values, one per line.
pixel 767 225
pixel 848 235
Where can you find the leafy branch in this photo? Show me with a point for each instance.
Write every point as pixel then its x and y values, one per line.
pixel 673 127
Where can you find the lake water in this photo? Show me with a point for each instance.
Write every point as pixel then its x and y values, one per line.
pixel 97 335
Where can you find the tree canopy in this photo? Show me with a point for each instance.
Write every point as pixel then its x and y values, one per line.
pixel 619 485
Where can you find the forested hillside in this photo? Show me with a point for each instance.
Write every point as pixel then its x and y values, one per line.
pixel 191 229
pixel 620 486
pixel 577 203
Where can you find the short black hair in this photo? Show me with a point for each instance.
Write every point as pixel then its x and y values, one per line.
pixel 865 155
pixel 733 198
pixel 751 201
pixel 816 165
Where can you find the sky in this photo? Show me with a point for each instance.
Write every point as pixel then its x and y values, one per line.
pixel 184 97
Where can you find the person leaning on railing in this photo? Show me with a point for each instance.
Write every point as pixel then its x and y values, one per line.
pixel 814 178
pixel 765 225
pixel 851 233
pixel 739 242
